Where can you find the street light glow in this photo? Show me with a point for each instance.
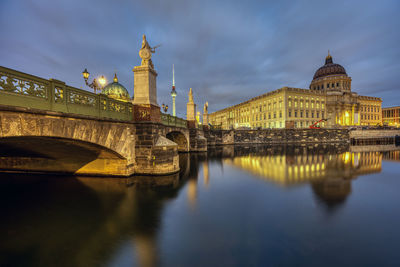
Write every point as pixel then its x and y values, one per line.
pixel 102 80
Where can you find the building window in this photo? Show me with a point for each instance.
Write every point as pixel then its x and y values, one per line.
pixel 337 84
pixel 269 115
pixel 295 114
pixel 301 104
pixel 264 116
pixel 306 114
pixel 323 113
pixel 274 115
pixel 327 85
pixel 301 124
pixel 290 113
pixel 301 114
pixel 312 104
pixel 317 114
pixel 333 85
pixel 290 103
pixel 280 104
pixel 295 104
pixel 280 114
pixel 322 86
pixel 312 114
pixel 307 104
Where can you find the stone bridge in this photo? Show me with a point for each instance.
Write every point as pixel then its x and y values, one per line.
pixel 47 126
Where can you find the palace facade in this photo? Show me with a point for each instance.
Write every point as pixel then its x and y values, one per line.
pixel 329 100
pixel 391 116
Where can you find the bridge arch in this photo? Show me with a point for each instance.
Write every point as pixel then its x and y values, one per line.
pixel 58 155
pixel 179 138
pixel 107 145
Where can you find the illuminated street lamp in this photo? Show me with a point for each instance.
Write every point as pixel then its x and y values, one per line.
pixel 95 84
pixel 165 107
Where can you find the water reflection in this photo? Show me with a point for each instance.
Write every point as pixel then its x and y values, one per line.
pixel 79 221
pixel 329 169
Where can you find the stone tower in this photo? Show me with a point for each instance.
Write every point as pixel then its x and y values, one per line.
pixel 191 110
pixel 145 87
pixel 205 114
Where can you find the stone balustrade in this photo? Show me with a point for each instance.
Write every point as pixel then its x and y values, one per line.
pixel 28 91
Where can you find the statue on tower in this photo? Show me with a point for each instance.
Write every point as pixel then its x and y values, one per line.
pixel 145 53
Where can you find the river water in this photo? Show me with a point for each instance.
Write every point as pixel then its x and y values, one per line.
pixel 232 206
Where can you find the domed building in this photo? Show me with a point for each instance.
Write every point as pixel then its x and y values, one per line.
pixel 331 77
pixel 329 102
pixel 116 91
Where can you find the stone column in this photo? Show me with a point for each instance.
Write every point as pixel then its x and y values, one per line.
pixel 191 111
pixel 205 115
pixel 145 87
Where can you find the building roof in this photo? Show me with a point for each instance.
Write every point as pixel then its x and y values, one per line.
pixel 116 90
pixel 329 68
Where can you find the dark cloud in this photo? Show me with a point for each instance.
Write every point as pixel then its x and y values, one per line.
pixel 227 51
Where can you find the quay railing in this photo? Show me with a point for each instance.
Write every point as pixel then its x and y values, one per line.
pixel 169 120
pixel 24 90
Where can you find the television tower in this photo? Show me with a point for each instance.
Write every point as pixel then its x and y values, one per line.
pixel 173 92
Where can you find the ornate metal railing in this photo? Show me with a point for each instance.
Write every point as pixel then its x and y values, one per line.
pixel 24 90
pixel 169 120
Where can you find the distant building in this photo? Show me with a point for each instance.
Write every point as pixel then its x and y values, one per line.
pixel 116 90
pixel 329 97
pixel 391 116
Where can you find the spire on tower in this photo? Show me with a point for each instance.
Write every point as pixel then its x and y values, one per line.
pixel 173 76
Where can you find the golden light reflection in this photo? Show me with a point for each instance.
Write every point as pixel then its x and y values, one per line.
pixel 206 175
pixel 192 192
pixel 295 169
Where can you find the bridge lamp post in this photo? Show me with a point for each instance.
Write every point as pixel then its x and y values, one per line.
pixel 165 107
pixel 95 84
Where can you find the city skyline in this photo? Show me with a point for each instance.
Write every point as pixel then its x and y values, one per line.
pixel 228 52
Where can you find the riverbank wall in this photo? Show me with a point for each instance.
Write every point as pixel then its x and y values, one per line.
pixel 277 136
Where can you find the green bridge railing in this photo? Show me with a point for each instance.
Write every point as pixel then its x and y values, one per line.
pixel 169 120
pixel 24 90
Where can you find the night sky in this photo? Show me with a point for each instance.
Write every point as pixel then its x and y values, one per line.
pixel 227 51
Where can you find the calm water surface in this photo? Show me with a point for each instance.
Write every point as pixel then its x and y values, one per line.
pixel 317 206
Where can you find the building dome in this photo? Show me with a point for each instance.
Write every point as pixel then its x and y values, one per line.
pixel 329 68
pixel 116 90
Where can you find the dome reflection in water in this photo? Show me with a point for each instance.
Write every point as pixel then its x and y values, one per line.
pixel 308 206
